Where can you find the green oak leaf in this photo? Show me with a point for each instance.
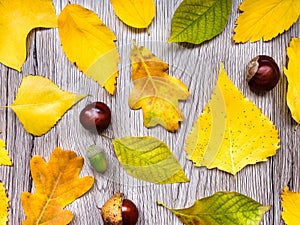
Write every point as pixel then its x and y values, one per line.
pixel 196 21
pixel 149 159
pixel 222 208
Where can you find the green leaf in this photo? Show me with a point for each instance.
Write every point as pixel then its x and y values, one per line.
pixel 149 159
pixel 222 208
pixel 196 21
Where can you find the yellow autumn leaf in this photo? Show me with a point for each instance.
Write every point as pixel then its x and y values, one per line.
pixel 155 91
pixel 40 104
pixel 4 157
pixel 56 185
pixel 135 13
pixel 265 19
pixel 231 132
pixel 17 19
pixel 4 201
pixel 292 73
pixel 89 44
pixel 291 206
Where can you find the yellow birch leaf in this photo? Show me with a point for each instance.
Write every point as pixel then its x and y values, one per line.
pixel 265 19
pixel 231 132
pixel 89 44
pixel 4 157
pixel 155 91
pixel 56 185
pixel 291 206
pixel 293 73
pixel 4 201
pixel 17 19
pixel 135 13
pixel 40 104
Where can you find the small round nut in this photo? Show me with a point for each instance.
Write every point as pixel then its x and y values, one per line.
pixel 262 73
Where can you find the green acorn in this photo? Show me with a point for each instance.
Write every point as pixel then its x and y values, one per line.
pixel 97 158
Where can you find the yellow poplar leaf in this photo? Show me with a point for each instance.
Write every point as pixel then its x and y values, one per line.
pixel 135 13
pixel 89 44
pixel 40 104
pixel 265 19
pixel 293 73
pixel 17 19
pixel 56 185
pixel 231 132
pixel 4 157
pixel 291 206
pixel 3 205
pixel 155 91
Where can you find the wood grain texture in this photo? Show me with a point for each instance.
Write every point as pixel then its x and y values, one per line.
pixel 198 67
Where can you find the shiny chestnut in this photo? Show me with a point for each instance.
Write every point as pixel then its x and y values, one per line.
pixel 119 211
pixel 95 117
pixel 262 73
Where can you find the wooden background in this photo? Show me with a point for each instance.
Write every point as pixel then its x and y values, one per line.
pixel 197 66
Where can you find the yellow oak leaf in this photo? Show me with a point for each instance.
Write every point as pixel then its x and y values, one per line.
pixel 265 19
pixel 3 205
pixel 231 132
pixel 155 91
pixel 135 13
pixel 291 206
pixel 293 73
pixel 40 104
pixel 4 157
pixel 89 44
pixel 56 185
pixel 17 19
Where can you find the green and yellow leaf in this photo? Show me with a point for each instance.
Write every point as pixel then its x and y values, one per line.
pixel 135 13
pixel 40 104
pixel 292 73
pixel 56 185
pixel 89 44
pixel 149 159
pixel 222 208
pixel 231 132
pixel 4 204
pixel 265 19
pixel 291 206
pixel 17 19
pixel 4 157
pixel 196 21
pixel 155 91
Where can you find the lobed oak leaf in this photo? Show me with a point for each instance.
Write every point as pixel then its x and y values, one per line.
pixel 17 19
pixel 4 204
pixel 4 157
pixel 196 21
pixel 89 44
pixel 149 159
pixel 40 104
pixel 290 205
pixel 292 73
pixel 56 185
pixel 265 19
pixel 222 208
pixel 155 91
pixel 231 132
pixel 137 13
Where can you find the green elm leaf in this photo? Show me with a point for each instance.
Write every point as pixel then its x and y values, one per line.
pixel 149 159
pixel 222 208
pixel 196 21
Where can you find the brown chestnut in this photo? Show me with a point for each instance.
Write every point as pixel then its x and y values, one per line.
pixel 119 211
pixel 262 73
pixel 95 117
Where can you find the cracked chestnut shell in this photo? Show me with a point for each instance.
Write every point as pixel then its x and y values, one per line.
pixel 262 73
pixel 119 211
